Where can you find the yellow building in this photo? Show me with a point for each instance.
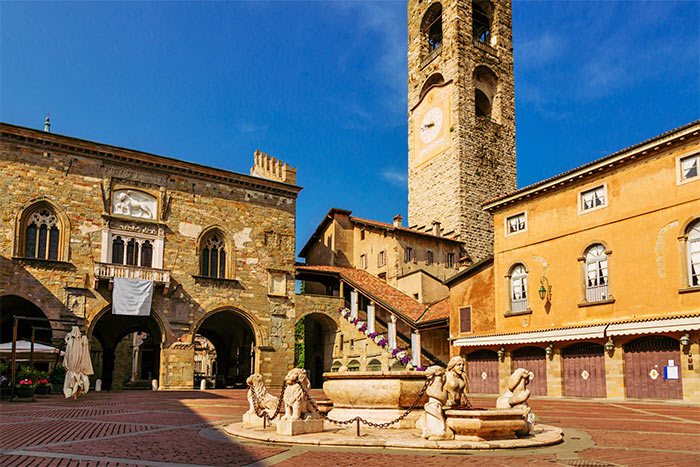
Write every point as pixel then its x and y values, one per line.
pixel 595 279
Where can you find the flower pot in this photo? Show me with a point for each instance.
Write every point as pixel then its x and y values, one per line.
pixel 42 389
pixel 24 391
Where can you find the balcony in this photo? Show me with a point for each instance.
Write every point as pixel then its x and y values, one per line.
pixel 108 271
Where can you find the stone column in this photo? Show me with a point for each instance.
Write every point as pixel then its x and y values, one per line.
pixel 615 373
pixel 554 374
pixel 353 304
pixel 415 348
pixel 504 372
pixel 370 317
pixel 392 332
pixel 690 368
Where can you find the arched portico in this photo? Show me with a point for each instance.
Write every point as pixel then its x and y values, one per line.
pixel 235 337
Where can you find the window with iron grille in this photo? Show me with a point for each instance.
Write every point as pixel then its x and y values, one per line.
pixel 518 289
pixel 408 254
pixel 450 260
pixel 596 264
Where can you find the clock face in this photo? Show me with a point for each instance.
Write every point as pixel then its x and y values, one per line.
pixel 431 125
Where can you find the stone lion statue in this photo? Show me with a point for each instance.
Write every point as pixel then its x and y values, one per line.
pixel 267 401
pixel 517 395
pixel 296 403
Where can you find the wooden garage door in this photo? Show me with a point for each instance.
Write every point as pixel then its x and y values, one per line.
pixel 534 360
pixel 584 370
pixel 482 371
pixel 645 359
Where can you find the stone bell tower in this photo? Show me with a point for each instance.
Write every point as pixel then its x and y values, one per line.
pixel 461 116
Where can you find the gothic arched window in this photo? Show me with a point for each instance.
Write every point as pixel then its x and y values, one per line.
pixel 41 233
pixel 213 255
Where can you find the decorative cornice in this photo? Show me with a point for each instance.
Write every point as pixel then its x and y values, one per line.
pixel 59 143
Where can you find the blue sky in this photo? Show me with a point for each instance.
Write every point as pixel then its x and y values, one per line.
pixel 322 85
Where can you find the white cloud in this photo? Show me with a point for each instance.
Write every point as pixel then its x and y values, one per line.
pixel 395 177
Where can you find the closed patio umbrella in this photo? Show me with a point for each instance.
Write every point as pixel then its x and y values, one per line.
pixel 77 363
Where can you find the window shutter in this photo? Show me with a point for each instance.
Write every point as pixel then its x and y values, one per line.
pixel 465 319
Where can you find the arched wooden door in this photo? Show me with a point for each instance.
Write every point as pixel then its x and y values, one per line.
pixel 534 360
pixel 584 370
pixel 482 371
pixel 645 362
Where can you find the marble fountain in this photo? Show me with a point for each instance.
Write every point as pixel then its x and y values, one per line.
pixel 400 409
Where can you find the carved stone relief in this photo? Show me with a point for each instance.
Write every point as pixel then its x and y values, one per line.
pixel 134 204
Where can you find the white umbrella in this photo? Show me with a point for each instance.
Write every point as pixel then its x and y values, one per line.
pixel 77 363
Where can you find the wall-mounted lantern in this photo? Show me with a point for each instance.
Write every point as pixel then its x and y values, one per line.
pixel 685 339
pixel 549 350
pixel 609 345
pixel 501 352
pixel 545 289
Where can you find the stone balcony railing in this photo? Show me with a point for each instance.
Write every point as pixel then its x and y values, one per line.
pixel 108 271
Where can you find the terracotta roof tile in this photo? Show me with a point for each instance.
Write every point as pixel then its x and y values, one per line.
pixel 376 288
pixel 384 225
pixel 439 310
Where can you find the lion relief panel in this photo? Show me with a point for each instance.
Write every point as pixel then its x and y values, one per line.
pixel 134 203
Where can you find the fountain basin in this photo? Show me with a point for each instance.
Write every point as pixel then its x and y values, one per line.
pixel 376 396
pixel 486 424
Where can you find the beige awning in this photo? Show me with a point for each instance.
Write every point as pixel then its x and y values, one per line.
pixel 597 331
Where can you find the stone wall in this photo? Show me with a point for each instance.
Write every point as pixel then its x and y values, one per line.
pixel 77 178
pixel 480 164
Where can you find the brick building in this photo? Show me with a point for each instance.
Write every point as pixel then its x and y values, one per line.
pixel 218 246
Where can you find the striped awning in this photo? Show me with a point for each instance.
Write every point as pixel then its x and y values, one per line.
pixel 597 331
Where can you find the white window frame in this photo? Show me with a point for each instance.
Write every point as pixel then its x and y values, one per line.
pixel 581 209
pixel 600 291
pixel 506 224
pixel 693 240
pixel 381 258
pixel 518 279
pixel 679 169
pixel 363 261
pixel 450 258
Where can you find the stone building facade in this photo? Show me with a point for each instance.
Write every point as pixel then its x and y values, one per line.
pixel 461 116
pixel 219 247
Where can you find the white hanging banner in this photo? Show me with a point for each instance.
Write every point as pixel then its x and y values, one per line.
pixel 132 297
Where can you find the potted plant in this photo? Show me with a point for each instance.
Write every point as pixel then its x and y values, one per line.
pixel 56 378
pixel 25 389
pixel 43 387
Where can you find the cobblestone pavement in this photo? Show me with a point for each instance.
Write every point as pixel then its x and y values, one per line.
pixel 171 428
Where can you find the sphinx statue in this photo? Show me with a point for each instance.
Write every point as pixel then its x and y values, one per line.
pixel 435 427
pixel 517 395
pixel 457 384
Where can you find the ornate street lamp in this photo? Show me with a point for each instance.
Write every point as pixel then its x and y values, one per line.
pixel 545 289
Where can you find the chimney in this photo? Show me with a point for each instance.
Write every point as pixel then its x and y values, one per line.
pixel 436 228
pixel 397 220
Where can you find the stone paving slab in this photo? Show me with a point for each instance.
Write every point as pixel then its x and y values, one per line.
pixel 186 428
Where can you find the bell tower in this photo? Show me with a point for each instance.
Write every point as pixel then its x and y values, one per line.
pixel 461 116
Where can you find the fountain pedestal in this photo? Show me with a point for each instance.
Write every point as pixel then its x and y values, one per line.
pixel 489 424
pixel 376 396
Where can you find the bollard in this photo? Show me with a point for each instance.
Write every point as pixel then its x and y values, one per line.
pixel 98 385
pixel 203 384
